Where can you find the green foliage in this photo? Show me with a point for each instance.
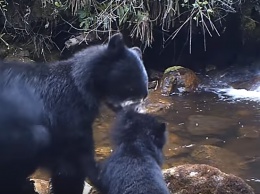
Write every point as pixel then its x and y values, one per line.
pixel 140 16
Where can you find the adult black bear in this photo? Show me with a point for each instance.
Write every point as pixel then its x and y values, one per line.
pixel 72 91
pixel 23 137
pixel 134 167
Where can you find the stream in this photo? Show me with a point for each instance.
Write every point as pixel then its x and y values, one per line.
pixel 217 125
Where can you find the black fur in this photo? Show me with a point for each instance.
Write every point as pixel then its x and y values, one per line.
pixel 71 91
pixel 134 166
pixel 23 138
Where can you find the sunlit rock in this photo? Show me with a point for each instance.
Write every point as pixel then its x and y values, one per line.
pixel 204 179
pixel 178 79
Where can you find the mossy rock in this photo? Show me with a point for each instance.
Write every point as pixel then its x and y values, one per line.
pixel 173 68
pixel 178 79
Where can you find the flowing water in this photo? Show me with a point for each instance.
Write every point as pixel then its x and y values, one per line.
pixel 219 126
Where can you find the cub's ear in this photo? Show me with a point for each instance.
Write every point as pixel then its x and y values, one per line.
pixel 116 43
pixel 138 51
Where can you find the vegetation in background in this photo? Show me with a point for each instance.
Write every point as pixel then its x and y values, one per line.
pixel 39 21
pixel 140 16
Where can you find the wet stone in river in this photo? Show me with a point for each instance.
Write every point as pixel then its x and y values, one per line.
pixel 204 179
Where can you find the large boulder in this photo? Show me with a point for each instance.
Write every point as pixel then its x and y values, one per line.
pixel 201 178
pixel 178 79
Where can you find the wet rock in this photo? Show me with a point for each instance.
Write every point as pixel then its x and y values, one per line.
pixel 200 178
pixel 156 103
pixel 178 79
pixel 19 55
pixel 221 158
pixel 206 125
pixel 153 84
pixel 251 84
pixel 233 76
pixel 155 107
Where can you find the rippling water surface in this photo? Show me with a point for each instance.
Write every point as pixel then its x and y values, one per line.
pixel 215 126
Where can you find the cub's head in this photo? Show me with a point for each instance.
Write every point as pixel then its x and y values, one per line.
pixel 126 81
pixel 132 127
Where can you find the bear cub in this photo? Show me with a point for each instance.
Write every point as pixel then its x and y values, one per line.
pixel 135 163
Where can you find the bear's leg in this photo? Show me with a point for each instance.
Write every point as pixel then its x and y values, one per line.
pixel 67 179
pixel 69 176
pixel 91 166
pixel 16 185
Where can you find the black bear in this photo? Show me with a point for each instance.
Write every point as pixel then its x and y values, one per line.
pixel 71 91
pixel 22 135
pixel 134 166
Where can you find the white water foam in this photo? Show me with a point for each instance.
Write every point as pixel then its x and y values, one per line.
pixel 240 94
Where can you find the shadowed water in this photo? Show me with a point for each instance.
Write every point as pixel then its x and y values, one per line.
pixel 210 127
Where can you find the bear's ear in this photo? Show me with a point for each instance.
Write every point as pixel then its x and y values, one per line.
pixel 138 51
pixel 116 43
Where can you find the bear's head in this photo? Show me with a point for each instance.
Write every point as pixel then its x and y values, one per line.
pixel 112 73
pixel 133 127
pixel 126 81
